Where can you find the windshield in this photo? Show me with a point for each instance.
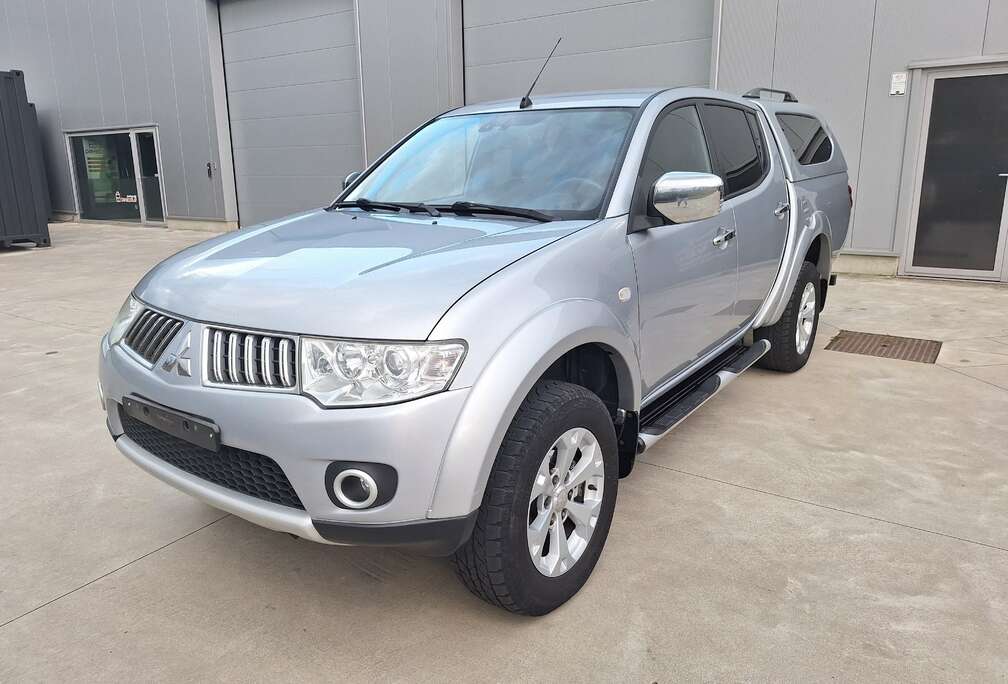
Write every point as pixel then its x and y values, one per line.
pixel 557 161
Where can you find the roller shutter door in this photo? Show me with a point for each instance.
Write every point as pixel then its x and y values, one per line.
pixel 294 102
pixel 606 44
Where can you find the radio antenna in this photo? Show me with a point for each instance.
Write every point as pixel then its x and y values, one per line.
pixel 526 101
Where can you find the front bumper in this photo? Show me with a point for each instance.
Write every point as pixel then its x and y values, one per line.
pixel 433 537
pixel 303 438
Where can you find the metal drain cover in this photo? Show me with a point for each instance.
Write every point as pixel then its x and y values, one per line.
pixel 886 346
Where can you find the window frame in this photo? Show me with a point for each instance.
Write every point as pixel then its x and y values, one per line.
pixel 668 109
pixel 822 127
pixel 759 139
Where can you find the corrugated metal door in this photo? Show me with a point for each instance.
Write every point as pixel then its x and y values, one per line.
pixel 606 44
pixel 294 101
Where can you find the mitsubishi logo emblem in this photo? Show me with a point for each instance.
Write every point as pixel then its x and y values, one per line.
pixel 179 361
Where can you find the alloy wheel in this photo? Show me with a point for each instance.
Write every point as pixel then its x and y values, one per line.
pixel 566 502
pixel 806 318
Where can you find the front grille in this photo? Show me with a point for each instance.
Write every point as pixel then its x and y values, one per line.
pixel 243 471
pixel 250 360
pixel 150 334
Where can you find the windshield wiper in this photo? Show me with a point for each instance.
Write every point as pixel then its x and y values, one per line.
pixel 368 205
pixel 470 208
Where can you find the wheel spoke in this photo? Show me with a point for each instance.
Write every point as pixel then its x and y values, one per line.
pixel 590 464
pixel 566 447
pixel 560 549
pixel 537 532
pixel 541 484
pixel 585 514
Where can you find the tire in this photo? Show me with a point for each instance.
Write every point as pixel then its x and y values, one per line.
pixel 497 562
pixel 786 354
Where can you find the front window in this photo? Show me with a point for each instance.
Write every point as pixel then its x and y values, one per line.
pixel 559 162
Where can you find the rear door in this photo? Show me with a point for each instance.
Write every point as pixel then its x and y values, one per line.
pixel 686 281
pixel 755 192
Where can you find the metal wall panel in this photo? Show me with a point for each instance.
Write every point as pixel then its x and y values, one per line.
pixel 120 63
pixel 827 67
pixel 614 44
pixel 745 50
pixel 839 58
pixel 996 35
pixel 294 98
pixel 411 53
pixel 905 31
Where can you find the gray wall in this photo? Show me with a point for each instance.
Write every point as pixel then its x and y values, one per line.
pixel 411 53
pixel 107 63
pixel 606 44
pixel 839 57
pixel 293 88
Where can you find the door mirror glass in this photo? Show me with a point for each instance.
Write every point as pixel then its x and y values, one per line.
pixel 684 196
pixel 351 177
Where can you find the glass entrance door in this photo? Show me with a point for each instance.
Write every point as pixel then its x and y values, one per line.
pixel 117 176
pixel 960 206
pixel 106 177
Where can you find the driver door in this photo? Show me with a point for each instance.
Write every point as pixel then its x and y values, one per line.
pixel 687 278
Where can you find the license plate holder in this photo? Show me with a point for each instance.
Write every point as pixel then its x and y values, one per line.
pixel 203 433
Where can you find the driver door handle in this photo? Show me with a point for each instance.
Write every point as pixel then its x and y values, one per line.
pixel 781 209
pixel 723 237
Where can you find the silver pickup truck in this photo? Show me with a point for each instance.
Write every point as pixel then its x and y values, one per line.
pixel 465 352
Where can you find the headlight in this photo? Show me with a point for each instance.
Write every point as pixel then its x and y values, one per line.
pixel 360 373
pixel 123 320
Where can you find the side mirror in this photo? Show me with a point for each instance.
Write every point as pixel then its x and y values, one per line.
pixel 682 197
pixel 351 177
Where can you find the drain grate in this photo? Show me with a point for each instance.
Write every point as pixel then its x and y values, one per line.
pixel 885 346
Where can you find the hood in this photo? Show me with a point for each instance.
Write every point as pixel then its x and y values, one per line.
pixel 343 273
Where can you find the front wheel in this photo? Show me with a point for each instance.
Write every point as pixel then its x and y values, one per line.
pixel 791 338
pixel 548 503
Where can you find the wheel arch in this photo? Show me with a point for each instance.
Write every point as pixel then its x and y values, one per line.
pixel 819 253
pixel 540 348
pixel 811 237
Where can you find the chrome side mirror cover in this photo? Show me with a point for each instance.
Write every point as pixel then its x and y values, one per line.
pixel 350 178
pixel 684 196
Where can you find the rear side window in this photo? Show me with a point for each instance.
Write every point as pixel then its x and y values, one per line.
pixel 677 144
pixel 739 147
pixel 807 137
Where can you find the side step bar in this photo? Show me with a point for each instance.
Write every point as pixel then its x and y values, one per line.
pixel 672 408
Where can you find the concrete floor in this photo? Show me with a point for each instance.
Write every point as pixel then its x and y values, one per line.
pixel 849 521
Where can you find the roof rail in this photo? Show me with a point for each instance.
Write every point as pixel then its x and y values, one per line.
pixel 757 94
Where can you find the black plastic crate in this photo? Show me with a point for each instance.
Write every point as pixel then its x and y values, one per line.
pixel 24 191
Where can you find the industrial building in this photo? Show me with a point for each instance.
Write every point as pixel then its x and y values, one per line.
pixel 222 113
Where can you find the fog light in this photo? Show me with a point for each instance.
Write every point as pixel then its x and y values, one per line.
pixel 355 489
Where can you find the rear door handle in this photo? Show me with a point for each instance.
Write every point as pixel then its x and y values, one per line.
pixel 781 209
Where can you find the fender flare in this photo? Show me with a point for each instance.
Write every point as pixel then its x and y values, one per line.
pixel 506 380
pixel 795 249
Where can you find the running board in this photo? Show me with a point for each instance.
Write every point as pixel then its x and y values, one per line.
pixel 677 404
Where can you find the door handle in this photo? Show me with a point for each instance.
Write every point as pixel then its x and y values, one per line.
pixel 781 209
pixel 723 237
